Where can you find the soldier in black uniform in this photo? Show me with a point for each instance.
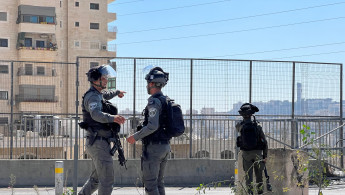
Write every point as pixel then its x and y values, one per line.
pixel 253 158
pixel 156 143
pixel 95 121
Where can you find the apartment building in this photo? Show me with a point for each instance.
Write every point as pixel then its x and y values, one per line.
pixel 50 31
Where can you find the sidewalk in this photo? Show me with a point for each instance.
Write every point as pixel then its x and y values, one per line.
pixel 335 189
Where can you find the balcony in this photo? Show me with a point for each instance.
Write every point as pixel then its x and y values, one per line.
pixel 37 28
pixel 37 3
pixel 38 54
pixel 35 98
pixel 112 31
pixel 36 45
pixel 49 77
pixel 112 48
pixel 111 17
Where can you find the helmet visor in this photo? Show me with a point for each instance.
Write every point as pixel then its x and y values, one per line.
pixel 147 69
pixel 108 71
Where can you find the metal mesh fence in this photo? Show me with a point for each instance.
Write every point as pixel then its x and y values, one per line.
pixel 209 91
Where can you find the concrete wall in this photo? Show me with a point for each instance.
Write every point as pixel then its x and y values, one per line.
pixel 285 168
pixel 179 172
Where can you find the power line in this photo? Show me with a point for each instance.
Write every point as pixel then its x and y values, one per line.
pixel 276 50
pixel 237 31
pixel 309 55
pixel 159 10
pixel 231 19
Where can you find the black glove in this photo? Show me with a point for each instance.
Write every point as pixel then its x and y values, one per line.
pixel 139 127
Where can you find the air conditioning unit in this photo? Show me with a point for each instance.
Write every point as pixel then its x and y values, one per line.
pixel 104 47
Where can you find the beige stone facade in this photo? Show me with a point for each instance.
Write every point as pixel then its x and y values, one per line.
pixel 50 31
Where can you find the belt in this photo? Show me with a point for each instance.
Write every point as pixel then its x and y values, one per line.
pixel 158 142
pixel 100 138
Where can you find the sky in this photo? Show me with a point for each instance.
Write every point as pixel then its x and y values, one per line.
pixel 294 30
pixel 301 30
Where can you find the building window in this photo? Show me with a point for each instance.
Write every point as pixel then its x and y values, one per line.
pixel 76 24
pixel 26 18
pixel 34 19
pixel 36 93
pixel 3 42
pixel 94 6
pixel 3 16
pixel 50 20
pixel 77 4
pixel 112 83
pixel 76 43
pixel 28 69
pixel 3 69
pixel 93 64
pixel 39 43
pixel 94 45
pixel 3 95
pixel 28 42
pixel 94 25
pixel 42 19
pixel 3 120
pixel 40 70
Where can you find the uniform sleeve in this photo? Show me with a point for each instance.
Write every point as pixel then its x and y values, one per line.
pixel 263 138
pixel 109 94
pixel 154 107
pixel 93 104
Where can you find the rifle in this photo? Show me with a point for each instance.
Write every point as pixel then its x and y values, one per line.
pixel 115 128
pixel 118 147
pixel 269 186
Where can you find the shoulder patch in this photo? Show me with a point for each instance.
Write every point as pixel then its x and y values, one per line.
pixel 152 112
pixel 92 105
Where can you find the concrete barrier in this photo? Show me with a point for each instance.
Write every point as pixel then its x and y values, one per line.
pixel 179 172
pixel 286 170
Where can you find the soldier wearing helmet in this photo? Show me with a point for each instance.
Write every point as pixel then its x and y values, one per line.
pixel 96 123
pixel 156 143
pixel 253 145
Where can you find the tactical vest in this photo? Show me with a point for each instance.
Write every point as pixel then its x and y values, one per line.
pixel 160 134
pixel 102 128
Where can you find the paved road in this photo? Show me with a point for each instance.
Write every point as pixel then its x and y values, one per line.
pixel 335 189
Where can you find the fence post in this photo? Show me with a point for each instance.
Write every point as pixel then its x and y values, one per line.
pixel 236 158
pixel 134 102
pixel 75 167
pixel 341 117
pixel 11 122
pixel 294 131
pixel 58 177
pixel 191 111
pixel 250 80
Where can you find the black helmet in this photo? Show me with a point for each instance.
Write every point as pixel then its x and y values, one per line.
pixel 248 109
pixel 96 72
pixel 157 75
